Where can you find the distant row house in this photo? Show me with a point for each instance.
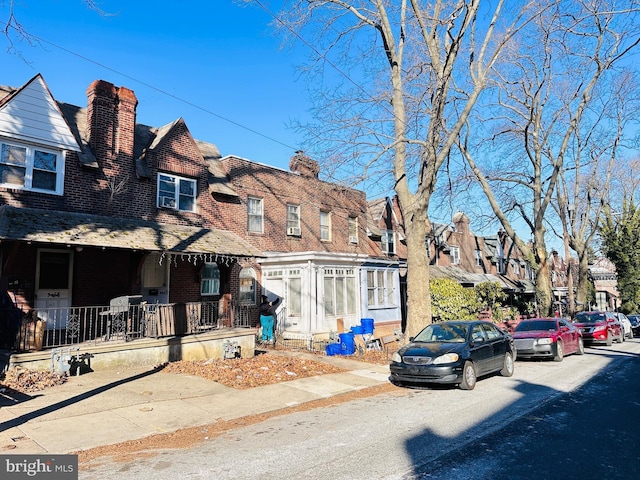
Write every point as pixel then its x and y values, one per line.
pixel 94 207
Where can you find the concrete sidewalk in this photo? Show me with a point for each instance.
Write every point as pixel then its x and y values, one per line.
pixel 106 407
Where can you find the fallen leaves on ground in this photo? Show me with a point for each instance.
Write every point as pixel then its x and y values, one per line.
pixel 242 373
pixel 25 381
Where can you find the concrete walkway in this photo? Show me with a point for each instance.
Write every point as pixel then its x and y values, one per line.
pixel 106 407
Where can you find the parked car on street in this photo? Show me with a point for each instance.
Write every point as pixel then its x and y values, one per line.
pixel 634 319
pixel 547 338
pixel 625 323
pixel 457 353
pixel 599 327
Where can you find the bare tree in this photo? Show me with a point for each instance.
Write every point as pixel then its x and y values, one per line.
pixel 545 118
pixel 411 73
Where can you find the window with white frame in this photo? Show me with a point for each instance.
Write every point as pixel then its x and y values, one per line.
pixel 388 242
pixel 478 257
pixel 325 226
pixel 353 229
pixel 210 284
pixel 454 253
pixel 247 293
pixel 255 214
pixel 31 168
pixel 176 192
pixel 294 292
pixel 293 219
pixel 339 291
pixel 380 288
pixel 516 268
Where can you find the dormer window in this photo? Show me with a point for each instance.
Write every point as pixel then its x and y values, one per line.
pixel 388 242
pixel 31 168
pixel 176 192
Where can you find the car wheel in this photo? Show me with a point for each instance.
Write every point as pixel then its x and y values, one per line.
pixel 468 376
pixel 621 337
pixel 559 352
pixel 507 368
pixel 609 339
pixel 580 350
pixel 631 334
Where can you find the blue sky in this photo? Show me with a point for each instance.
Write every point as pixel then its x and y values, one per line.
pixel 215 63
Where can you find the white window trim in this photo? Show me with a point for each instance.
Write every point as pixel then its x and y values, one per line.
pixel 454 253
pixel 213 279
pixel 385 292
pixel 29 167
pixel 259 215
pixel 327 227
pixel 293 223
pixel 164 201
pixel 388 238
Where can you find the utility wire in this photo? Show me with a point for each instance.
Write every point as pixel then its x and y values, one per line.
pixel 159 90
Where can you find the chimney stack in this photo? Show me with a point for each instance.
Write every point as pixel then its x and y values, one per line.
pixel 111 120
pixel 303 165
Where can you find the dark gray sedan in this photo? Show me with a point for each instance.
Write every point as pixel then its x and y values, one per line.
pixel 455 353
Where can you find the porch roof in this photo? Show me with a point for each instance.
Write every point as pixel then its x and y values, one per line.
pixel 463 277
pixel 82 229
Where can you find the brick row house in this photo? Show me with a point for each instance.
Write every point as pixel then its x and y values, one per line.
pixel 456 253
pixel 94 206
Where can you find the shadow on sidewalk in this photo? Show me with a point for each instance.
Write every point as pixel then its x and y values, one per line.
pixel 22 419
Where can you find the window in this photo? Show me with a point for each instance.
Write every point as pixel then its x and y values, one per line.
pixel 293 220
pixel 454 253
pixel 294 293
pixel 325 226
pixel 247 293
pixel 478 257
pixel 255 215
pixel 339 291
pixel 516 268
pixel 210 280
pixel 380 288
pixel 353 229
pixel 176 192
pixel 31 168
pixel 388 242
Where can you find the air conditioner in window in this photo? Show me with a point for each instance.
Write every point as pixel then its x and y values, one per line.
pixel 168 202
pixel 353 239
pixel 295 231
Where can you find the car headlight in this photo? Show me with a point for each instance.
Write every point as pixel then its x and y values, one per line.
pixel 599 328
pixel 446 358
pixel 396 358
pixel 545 341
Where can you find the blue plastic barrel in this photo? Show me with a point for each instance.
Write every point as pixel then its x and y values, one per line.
pixel 333 349
pixel 367 325
pixel 348 343
pixel 357 329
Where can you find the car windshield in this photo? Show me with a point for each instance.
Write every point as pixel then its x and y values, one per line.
pixel 536 325
pixel 593 317
pixel 445 333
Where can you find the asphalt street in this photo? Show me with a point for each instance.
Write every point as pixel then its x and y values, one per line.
pixel 550 420
pixel 592 432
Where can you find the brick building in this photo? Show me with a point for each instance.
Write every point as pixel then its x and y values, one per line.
pixel 94 205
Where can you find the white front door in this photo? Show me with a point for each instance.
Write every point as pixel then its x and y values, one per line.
pixel 155 279
pixel 54 270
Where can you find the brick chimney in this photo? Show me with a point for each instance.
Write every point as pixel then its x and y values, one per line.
pixel 111 120
pixel 303 165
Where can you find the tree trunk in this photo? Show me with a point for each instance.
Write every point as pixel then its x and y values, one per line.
pixel 418 292
pixel 582 289
pixel 543 281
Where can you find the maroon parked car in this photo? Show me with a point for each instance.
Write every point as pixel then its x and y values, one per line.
pixel 547 338
pixel 599 327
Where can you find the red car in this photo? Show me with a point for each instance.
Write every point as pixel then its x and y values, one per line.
pixel 599 327
pixel 547 338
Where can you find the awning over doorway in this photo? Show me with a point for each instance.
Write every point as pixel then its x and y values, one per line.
pixel 465 278
pixel 80 229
